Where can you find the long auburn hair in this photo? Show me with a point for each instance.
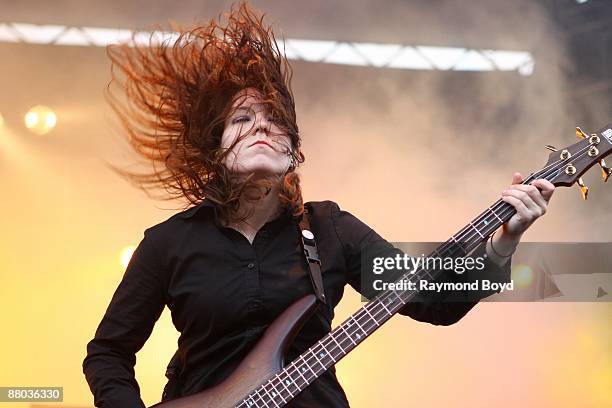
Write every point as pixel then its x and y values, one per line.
pixel 173 99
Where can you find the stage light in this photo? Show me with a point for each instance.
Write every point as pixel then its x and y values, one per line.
pixel 126 255
pixel 40 119
pixel 522 275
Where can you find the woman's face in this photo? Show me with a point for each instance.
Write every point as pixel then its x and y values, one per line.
pixel 258 145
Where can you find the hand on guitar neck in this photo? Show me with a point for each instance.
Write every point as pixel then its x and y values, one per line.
pixel 530 202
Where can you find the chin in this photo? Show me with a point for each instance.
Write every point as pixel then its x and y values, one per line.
pixel 261 171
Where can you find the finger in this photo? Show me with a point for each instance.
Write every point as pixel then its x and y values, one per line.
pixel 521 210
pixel 517 178
pixel 533 210
pixel 534 193
pixel 546 188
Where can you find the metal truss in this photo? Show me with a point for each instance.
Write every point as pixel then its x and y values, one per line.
pixel 393 56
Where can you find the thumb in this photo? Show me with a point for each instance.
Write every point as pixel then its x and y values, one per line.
pixel 517 178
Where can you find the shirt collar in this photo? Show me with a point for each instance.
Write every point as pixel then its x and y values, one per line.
pixel 205 206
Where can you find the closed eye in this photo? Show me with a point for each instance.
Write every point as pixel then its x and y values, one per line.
pixel 241 119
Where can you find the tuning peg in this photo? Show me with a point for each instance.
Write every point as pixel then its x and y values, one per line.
pixel 583 189
pixel 551 148
pixel 605 170
pixel 580 133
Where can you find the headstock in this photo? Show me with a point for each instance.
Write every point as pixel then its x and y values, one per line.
pixel 566 166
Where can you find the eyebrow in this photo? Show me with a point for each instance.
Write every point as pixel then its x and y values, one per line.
pixel 236 111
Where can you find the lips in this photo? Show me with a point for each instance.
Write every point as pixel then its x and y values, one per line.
pixel 261 142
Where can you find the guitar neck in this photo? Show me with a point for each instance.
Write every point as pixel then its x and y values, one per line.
pixel 563 168
pixel 330 349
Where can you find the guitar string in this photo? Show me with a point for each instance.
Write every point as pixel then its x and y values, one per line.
pixel 342 340
pixel 380 300
pixel 291 373
pixel 376 324
pixel 306 381
pixel 533 176
pixel 356 317
pixel 505 213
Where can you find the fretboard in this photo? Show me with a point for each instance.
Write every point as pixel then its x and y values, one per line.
pixel 297 375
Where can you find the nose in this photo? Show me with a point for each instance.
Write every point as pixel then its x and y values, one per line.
pixel 262 123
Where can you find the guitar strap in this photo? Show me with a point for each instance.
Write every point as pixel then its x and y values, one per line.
pixel 312 256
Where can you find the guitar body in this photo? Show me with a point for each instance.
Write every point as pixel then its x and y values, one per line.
pixel 264 361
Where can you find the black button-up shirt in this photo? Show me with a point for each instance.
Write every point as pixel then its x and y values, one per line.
pixel 223 292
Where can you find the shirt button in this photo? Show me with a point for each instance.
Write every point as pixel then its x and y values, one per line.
pixel 251 265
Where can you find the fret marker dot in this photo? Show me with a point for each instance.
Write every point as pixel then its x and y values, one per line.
pixel 485 222
pixel 287 382
pixel 303 369
pixel 321 354
pixel 358 336
pixel 273 394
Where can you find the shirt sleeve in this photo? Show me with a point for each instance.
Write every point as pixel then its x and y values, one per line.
pixel 129 319
pixel 443 308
